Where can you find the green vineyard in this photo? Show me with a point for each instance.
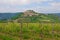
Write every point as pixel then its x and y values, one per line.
pixel 29 31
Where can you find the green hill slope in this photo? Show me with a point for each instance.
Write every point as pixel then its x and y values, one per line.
pixel 32 16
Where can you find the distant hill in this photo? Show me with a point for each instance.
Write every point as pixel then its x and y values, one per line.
pixel 28 16
pixel 58 14
pixel 32 16
pixel 6 15
pixel 55 14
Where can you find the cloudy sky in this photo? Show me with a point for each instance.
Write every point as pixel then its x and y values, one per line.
pixel 43 6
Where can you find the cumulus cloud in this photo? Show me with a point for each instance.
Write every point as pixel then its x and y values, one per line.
pixel 17 5
pixel 21 2
pixel 55 6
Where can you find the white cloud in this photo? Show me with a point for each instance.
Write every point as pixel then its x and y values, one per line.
pixel 55 6
pixel 14 2
pixel 21 2
pixel 52 7
pixel 41 0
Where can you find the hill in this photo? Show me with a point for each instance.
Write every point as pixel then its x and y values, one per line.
pixel 28 16
pixel 32 16
pixel 6 15
pixel 58 14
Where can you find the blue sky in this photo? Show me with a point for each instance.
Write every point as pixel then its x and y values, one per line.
pixel 43 6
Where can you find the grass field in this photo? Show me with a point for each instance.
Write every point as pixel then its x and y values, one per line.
pixel 29 31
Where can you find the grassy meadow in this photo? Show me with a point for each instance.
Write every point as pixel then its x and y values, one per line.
pixel 29 31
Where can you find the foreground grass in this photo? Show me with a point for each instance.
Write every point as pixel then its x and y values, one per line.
pixel 30 31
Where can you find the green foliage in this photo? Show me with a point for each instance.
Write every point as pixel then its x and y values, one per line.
pixel 37 18
pixel 17 16
pixel 29 31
